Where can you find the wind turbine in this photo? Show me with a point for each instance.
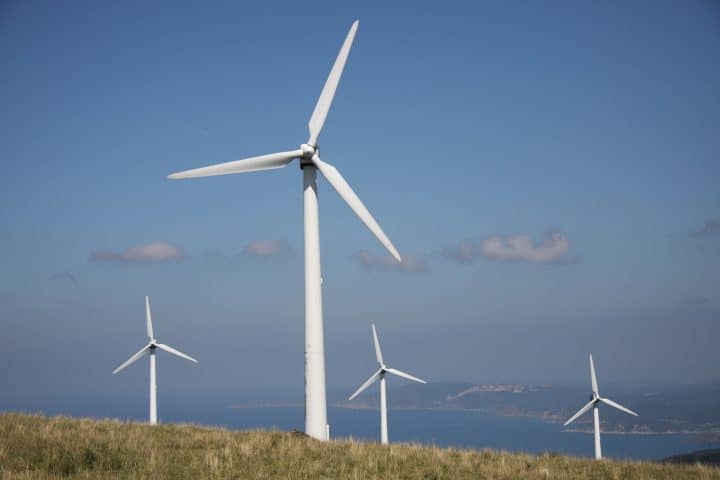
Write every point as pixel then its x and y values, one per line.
pixel 150 348
pixel 594 402
pixel 383 395
pixel 315 400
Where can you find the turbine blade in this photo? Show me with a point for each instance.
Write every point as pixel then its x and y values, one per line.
pixel 618 406
pixel 317 120
pixel 365 385
pixel 402 374
pixel 252 164
pixel 133 359
pixel 580 412
pixel 378 352
pixel 177 353
pixel 593 378
pixel 148 318
pixel 347 194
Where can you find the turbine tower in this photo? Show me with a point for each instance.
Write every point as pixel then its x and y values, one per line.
pixel 150 348
pixel 308 154
pixel 594 402
pixel 383 395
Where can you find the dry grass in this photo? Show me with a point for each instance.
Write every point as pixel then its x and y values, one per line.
pixel 38 447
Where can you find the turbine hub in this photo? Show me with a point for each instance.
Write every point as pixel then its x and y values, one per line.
pixel 308 150
pixel 307 153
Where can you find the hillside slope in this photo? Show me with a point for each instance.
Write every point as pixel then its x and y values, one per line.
pixel 35 447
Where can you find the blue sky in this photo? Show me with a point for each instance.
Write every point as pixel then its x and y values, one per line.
pixel 460 122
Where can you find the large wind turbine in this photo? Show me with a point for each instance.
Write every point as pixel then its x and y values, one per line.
pixel 594 402
pixel 383 395
pixel 315 401
pixel 150 348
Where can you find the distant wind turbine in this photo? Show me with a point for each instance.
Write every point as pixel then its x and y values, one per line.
pixel 595 400
pixel 315 397
pixel 150 348
pixel 383 395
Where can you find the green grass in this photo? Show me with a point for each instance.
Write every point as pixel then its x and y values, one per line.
pixel 34 447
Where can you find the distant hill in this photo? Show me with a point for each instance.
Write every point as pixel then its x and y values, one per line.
pixel 706 457
pixel 37 447
pixel 668 409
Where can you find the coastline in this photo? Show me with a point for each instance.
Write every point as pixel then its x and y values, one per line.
pixel 701 435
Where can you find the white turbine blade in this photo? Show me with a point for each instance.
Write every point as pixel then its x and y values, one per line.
pixel 584 409
pixel 252 164
pixel 402 374
pixel 133 359
pixel 593 378
pixel 378 352
pixel 317 120
pixel 618 406
pixel 365 385
pixel 148 318
pixel 347 194
pixel 178 353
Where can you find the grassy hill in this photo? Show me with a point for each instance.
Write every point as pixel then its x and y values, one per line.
pixel 34 446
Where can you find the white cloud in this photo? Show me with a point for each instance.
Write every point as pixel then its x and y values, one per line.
pixel 518 248
pixel 156 252
pixel 521 248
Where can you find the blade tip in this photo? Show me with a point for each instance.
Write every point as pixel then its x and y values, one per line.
pixel 393 251
pixel 182 175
